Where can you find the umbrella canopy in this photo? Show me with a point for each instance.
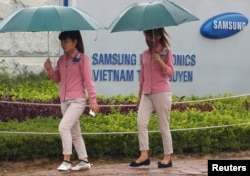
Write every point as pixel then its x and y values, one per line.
pixel 151 15
pixel 49 18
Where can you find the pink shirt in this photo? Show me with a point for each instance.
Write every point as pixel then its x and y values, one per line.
pixel 152 78
pixel 74 77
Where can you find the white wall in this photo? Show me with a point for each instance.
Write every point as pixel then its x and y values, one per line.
pixel 17 44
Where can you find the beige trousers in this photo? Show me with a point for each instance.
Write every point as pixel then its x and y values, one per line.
pixel 69 127
pixel 161 104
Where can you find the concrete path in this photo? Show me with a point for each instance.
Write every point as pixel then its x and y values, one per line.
pixel 183 168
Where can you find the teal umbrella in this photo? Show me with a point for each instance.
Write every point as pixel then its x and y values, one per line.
pixel 151 15
pixel 49 18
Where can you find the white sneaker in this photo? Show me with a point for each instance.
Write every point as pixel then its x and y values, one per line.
pixel 64 166
pixel 83 165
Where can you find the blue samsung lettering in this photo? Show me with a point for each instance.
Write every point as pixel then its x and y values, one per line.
pixel 223 25
pixel 94 59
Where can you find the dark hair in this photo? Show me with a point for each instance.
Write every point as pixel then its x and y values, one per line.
pixel 74 35
pixel 159 31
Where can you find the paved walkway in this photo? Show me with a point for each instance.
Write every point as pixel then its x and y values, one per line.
pixel 183 168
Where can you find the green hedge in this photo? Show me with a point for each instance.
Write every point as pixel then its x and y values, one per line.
pixel 187 134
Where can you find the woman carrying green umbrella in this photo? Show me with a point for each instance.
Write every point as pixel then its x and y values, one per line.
pixel 155 95
pixel 73 72
pixel 156 67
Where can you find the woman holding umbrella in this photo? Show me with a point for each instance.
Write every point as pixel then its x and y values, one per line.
pixel 74 75
pixel 155 95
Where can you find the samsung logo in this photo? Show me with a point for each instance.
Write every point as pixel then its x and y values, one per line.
pixel 229 25
pixel 223 25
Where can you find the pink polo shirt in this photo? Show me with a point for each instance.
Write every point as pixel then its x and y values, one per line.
pixel 74 77
pixel 152 78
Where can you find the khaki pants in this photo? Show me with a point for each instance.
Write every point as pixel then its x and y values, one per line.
pixel 69 127
pixel 161 103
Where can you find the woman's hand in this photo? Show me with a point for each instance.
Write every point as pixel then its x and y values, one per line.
pixel 48 64
pixel 94 107
pixel 157 57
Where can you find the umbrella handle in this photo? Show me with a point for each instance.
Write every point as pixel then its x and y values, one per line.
pixel 154 38
pixel 53 61
pixel 48 46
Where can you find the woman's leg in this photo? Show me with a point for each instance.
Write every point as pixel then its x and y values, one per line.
pixel 78 142
pixel 144 113
pixel 162 103
pixel 71 110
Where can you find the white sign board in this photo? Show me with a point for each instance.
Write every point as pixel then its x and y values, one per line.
pixel 203 66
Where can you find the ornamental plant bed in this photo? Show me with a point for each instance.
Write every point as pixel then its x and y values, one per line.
pixel 23 109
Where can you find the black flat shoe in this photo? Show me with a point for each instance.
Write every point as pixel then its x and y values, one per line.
pixel 162 165
pixel 135 164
